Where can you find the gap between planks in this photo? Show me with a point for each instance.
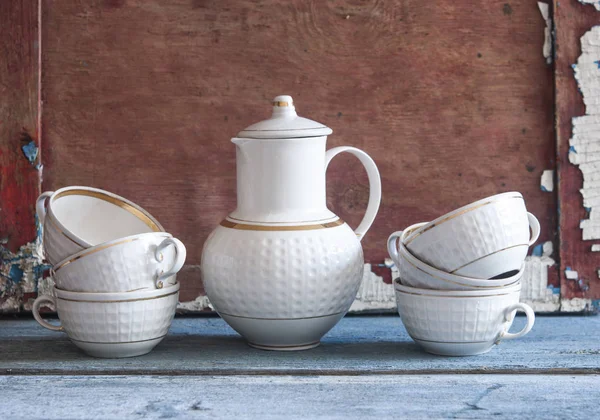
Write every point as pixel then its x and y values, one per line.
pixel 302 372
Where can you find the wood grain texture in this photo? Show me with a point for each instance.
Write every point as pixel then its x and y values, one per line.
pixel 452 99
pixel 291 397
pixel 364 345
pixel 19 72
pixel 20 162
pixel 572 19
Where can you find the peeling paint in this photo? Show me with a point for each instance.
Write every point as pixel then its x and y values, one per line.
pixel 538 250
pixel 201 303
pixel 576 305
pixel 596 3
pixel 30 150
pixel 21 273
pixel 547 180
pixel 584 149
pixel 583 286
pixel 535 290
pixel 571 274
pixel 15 273
pixel 547 47
pixel 374 294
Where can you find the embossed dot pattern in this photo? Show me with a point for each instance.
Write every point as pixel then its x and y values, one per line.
pixel 274 274
pixel 474 234
pixel 455 319
pixel 117 322
pixel 119 268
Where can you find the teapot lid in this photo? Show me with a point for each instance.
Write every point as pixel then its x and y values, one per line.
pixel 285 123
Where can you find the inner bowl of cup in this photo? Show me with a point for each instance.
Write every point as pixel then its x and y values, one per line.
pixel 505 275
pixel 92 216
pixel 496 264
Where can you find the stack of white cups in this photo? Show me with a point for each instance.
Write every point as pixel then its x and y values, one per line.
pixel 459 283
pixel 114 270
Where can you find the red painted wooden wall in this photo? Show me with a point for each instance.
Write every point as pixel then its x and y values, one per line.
pixel 452 99
pixel 572 19
pixel 20 158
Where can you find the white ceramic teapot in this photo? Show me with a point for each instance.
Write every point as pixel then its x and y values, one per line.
pixel 282 269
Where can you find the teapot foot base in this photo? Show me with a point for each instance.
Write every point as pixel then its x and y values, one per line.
pixel 288 334
pixel 285 348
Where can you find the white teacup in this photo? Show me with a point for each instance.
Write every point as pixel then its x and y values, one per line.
pixel 465 323
pixel 112 325
pixel 75 218
pixel 484 239
pixel 416 273
pixel 145 261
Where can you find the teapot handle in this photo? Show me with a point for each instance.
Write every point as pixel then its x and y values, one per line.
pixel 374 185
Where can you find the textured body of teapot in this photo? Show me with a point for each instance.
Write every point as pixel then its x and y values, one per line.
pixel 282 269
pixel 282 287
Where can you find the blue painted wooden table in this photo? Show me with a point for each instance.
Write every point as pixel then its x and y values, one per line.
pixel 366 367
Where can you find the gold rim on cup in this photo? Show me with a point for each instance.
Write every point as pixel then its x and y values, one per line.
pixel 98 248
pixel 469 207
pixel 111 198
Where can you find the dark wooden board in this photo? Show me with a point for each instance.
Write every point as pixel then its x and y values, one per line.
pixel 452 99
pixel 20 170
pixel 572 19
pixel 358 345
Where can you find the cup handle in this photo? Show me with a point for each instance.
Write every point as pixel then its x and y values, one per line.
pixel 180 254
pixel 374 185
pixel 392 246
pixel 534 224
pixel 40 206
pixel 42 301
pixel 505 335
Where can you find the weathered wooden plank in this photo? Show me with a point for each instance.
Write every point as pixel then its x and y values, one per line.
pixel 453 100
pixel 293 397
pixel 20 167
pixel 572 19
pixel 357 346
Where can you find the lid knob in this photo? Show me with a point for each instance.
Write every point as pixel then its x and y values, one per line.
pixel 284 123
pixel 283 106
pixel 283 100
